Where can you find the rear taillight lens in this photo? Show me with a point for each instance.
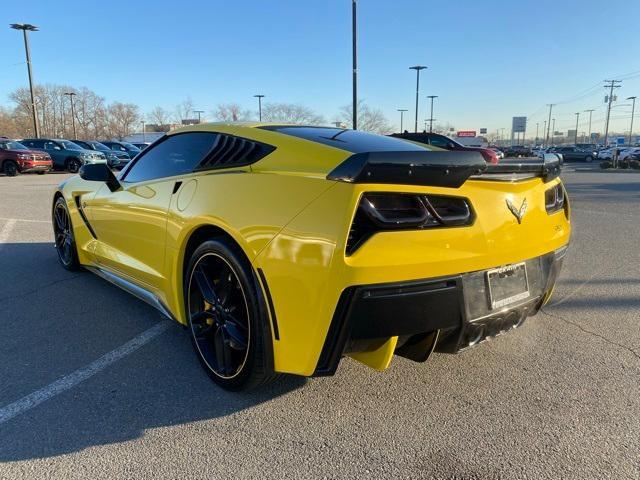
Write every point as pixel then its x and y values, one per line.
pixel 399 211
pixel 554 199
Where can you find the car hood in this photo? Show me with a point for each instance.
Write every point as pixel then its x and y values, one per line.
pixel 37 153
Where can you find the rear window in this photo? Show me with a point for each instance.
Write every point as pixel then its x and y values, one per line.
pixel 354 141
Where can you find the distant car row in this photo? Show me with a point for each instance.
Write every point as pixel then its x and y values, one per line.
pixel 41 155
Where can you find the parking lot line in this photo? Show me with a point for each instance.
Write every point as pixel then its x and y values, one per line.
pixel 28 220
pixel 69 381
pixel 6 230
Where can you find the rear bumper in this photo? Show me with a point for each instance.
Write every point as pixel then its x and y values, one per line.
pixel 456 305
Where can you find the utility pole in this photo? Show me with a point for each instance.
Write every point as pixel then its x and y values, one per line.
pixel 354 54
pixel 544 129
pixel 73 114
pixel 611 85
pixel 199 112
pixel 577 117
pixel 590 113
pixel 417 68
pixel 259 97
pixel 144 127
pixel 551 105
pixel 402 110
pixel 536 140
pixel 633 111
pixel 26 27
pixel 553 132
pixel 431 119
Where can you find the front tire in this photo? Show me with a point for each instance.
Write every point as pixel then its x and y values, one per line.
pixel 588 159
pixel 73 165
pixel 227 317
pixel 10 168
pixel 63 235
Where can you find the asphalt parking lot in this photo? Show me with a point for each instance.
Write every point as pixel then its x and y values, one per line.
pixel 558 398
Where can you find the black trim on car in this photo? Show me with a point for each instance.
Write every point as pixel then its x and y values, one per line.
pixel 272 310
pixel 434 169
pixel 84 217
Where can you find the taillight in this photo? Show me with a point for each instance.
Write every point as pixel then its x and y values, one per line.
pixel 401 211
pixel 554 199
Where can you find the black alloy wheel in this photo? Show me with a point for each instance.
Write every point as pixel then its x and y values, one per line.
pixel 63 233
pixel 226 318
pixel 73 165
pixel 10 168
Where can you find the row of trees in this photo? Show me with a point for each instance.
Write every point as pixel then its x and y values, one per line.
pixel 95 118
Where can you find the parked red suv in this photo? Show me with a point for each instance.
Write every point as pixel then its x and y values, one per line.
pixel 16 158
pixel 441 141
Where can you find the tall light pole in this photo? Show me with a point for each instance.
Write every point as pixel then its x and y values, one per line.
pixel 199 113
pixel 544 129
pixel 354 58
pixel 431 119
pixel 633 111
pixel 553 131
pixel 402 110
pixel 612 84
pixel 417 68
pixel 144 127
pixel 590 113
pixel 73 114
pixel 536 140
pixel 549 122
pixel 259 97
pixel 26 27
pixel 577 117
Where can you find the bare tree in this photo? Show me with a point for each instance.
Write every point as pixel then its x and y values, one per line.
pixel 121 119
pixel 184 110
pixel 291 113
pixel 159 116
pixel 231 112
pixel 369 119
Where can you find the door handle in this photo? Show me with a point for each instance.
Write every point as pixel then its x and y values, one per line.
pixel 176 186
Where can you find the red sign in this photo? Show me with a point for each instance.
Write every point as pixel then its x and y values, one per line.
pixel 466 133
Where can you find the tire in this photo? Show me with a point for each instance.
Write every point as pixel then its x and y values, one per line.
pixel 10 168
pixel 73 165
pixel 63 236
pixel 227 319
pixel 588 159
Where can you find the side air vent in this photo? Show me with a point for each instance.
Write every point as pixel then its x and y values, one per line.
pixel 232 151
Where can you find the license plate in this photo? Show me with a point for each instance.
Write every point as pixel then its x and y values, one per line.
pixel 507 285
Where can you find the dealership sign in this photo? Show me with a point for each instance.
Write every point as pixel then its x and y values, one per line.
pixel 519 124
pixel 466 133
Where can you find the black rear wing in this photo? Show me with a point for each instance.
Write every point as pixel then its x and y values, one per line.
pixel 437 169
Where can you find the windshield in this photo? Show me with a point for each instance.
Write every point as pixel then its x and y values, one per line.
pixel 100 146
pixel 12 146
pixel 70 145
pixel 130 146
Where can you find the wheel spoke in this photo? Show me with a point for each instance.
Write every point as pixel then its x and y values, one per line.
pixel 59 221
pixel 225 285
pixel 218 347
pixel 201 329
pixel 235 334
pixel 205 286
pixel 226 354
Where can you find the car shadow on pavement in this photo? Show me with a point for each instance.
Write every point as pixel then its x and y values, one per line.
pixel 55 322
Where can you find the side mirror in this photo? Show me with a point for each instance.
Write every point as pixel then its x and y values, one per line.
pixel 99 172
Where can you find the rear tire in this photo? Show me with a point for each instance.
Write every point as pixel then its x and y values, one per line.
pixel 63 236
pixel 73 165
pixel 227 318
pixel 10 168
pixel 588 159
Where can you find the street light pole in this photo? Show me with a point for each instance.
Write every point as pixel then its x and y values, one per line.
pixel 431 116
pixel 73 114
pixel 402 110
pixel 536 140
pixel 590 113
pixel 549 123
pixel 553 132
pixel 144 125
pixel 417 68
pixel 354 58
pixel 259 97
pixel 633 111
pixel 577 117
pixel 26 27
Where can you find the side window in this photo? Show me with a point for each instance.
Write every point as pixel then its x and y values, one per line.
pixel 440 142
pixel 176 155
pixel 51 146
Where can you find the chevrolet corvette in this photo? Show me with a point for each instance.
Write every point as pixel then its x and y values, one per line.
pixel 284 248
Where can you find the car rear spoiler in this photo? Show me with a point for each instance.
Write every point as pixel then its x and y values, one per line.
pixel 434 169
pixel 547 168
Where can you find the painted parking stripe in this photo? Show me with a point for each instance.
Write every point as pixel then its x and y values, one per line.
pixel 28 220
pixel 6 230
pixel 69 381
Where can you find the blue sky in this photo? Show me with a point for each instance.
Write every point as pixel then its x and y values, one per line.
pixel 488 61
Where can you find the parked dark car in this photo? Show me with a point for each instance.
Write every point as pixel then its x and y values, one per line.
pixel 141 145
pixel 518 151
pixel 115 159
pixel 573 153
pixel 65 154
pixel 441 141
pixel 16 158
pixel 125 147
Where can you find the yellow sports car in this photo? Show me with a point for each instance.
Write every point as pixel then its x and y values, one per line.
pixel 284 248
